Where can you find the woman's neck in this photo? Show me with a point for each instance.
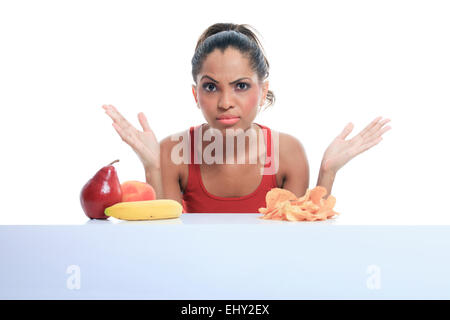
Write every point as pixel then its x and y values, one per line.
pixel 244 146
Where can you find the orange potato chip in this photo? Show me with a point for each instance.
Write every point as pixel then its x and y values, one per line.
pixel 296 214
pixel 318 193
pixel 302 199
pixel 278 195
pixel 330 202
pixel 283 205
pixel 311 207
pixel 272 213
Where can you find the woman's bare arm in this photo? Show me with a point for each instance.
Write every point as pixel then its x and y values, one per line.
pixel 294 164
pixel 170 172
pixel 153 178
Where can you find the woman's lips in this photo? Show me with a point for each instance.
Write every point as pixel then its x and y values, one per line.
pixel 228 120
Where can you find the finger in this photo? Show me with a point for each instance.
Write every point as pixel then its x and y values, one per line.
pixel 117 117
pixel 348 128
pixel 114 114
pixel 369 126
pixel 126 137
pixel 143 121
pixel 375 130
pixel 111 112
pixel 379 133
pixel 368 145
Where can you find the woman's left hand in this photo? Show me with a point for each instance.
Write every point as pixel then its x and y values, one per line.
pixel 341 151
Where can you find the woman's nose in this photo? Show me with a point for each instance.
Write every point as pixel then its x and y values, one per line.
pixel 226 100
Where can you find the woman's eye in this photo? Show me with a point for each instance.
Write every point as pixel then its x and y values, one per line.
pixel 245 85
pixel 209 86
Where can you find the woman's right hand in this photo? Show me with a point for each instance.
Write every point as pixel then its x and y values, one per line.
pixel 144 142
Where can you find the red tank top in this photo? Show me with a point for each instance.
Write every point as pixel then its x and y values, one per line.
pixel 197 199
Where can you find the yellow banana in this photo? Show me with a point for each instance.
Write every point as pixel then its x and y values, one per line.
pixel 145 210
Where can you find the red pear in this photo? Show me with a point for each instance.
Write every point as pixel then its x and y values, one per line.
pixel 100 192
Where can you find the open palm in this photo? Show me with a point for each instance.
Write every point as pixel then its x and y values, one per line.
pixel 144 143
pixel 341 151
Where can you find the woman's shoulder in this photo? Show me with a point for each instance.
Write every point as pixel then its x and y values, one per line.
pixel 179 136
pixel 292 158
pixel 291 150
pixel 175 137
pixel 175 144
pixel 286 141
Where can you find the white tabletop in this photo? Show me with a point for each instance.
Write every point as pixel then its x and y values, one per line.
pixel 223 256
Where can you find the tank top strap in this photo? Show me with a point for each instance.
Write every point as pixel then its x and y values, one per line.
pixel 269 161
pixel 192 143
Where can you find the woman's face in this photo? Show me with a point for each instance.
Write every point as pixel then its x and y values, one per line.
pixel 228 87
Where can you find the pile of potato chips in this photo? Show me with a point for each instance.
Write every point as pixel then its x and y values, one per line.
pixel 284 205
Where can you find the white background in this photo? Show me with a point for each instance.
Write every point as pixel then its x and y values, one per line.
pixel 332 62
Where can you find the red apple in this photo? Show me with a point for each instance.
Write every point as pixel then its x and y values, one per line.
pixel 100 192
pixel 137 191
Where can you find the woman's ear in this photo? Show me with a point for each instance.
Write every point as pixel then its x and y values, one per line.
pixel 194 92
pixel 264 93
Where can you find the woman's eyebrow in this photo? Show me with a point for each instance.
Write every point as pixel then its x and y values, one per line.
pixel 205 76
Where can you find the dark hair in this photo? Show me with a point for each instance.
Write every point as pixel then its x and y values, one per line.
pixel 239 36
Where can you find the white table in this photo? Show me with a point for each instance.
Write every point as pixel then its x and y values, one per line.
pixel 223 256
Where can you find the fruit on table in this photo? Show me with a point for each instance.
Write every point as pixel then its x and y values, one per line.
pixel 284 205
pixel 101 191
pixel 145 210
pixel 137 191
